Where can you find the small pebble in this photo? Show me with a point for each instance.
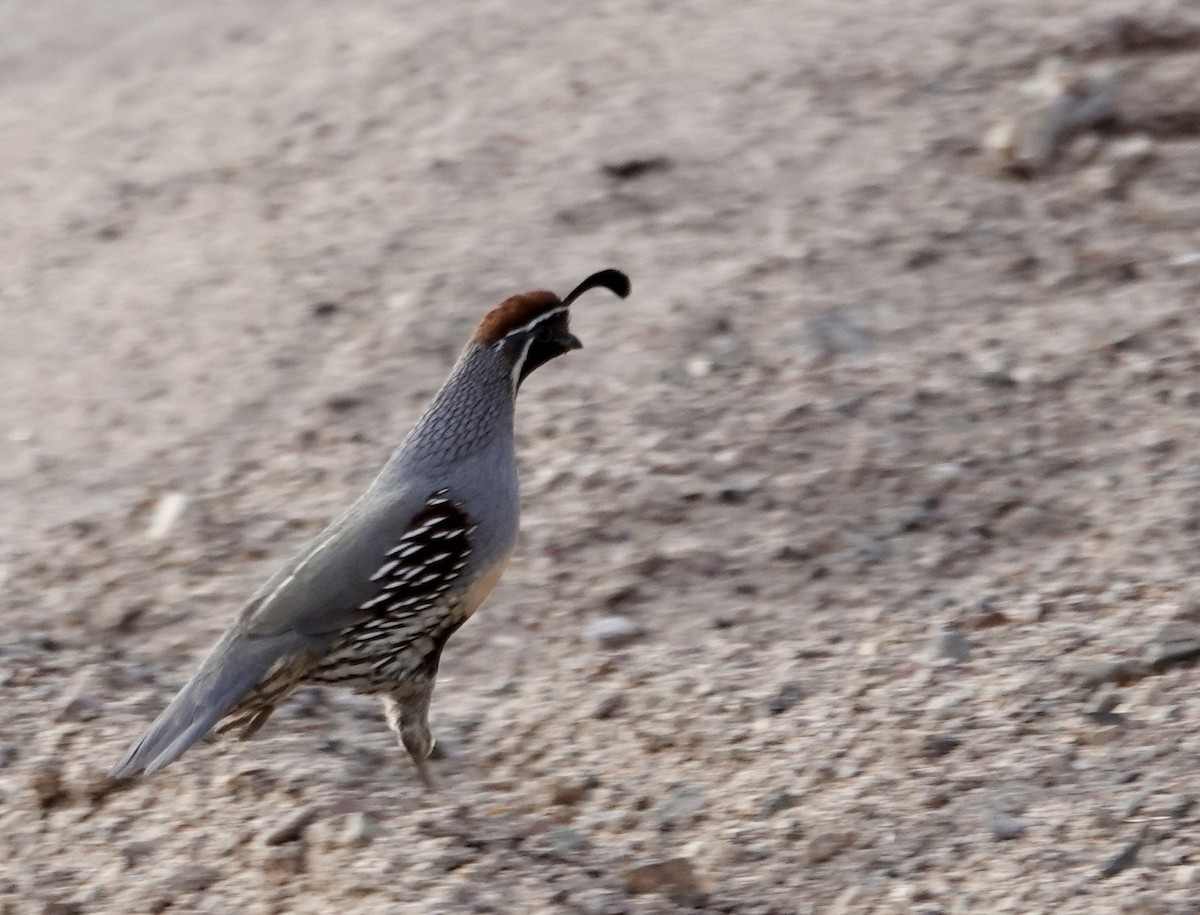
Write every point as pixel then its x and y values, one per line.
pixel 674 876
pixel 778 802
pixel 938 745
pixel 950 646
pixel 609 706
pixel 192 878
pixel 135 852
pixel 567 792
pixel 1057 103
pixel 1005 826
pixel 824 846
pixel 360 829
pixel 636 167
pixel 1102 711
pixel 1176 641
pixel 284 860
pixel 1134 804
pixel 1094 673
pixel 566 841
pixel 681 807
pixel 343 402
pixel 46 781
pixel 81 708
pixel 291 827
pixel 1123 859
pixel 1183 806
pixel 613 632
pixel 167 512
pixel 784 698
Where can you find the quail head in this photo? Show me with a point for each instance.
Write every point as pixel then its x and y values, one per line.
pixel 370 603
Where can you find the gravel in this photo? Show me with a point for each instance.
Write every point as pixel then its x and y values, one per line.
pixel 867 387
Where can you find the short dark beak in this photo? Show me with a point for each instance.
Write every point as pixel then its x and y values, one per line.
pixel 570 341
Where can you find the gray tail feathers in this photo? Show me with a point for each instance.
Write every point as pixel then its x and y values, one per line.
pixel 232 669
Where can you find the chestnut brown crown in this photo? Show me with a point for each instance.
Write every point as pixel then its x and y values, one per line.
pixel 528 309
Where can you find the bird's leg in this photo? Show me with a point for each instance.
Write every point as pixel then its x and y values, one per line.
pixel 407 714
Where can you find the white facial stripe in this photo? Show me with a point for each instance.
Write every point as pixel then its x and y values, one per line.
pixel 554 312
pixel 516 369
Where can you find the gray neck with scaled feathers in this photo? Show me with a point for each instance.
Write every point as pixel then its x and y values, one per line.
pixel 472 411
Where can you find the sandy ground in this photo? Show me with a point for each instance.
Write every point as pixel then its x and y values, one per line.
pixel 890 457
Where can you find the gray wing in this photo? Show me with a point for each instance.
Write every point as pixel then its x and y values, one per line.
pixel 322 591
pixel 352 573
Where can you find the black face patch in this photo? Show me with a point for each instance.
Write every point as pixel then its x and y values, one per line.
pixel 540 352
pixel 542 342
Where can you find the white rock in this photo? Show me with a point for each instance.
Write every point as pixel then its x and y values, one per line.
pixel 166 514
pixel 614 631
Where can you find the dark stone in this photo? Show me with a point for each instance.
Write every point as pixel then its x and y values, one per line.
pixel 343 403
pixel 786 696
pixel 938 745
pixel 1123 859
pixel 1005 826
pixel 1176 642
pixel 675 877
pixel 778 802
pixel 292 827
pixel 628 169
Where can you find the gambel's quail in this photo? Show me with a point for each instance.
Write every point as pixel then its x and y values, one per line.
pixel 371 602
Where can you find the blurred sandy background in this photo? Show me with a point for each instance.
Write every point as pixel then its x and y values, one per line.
pixel 849 539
